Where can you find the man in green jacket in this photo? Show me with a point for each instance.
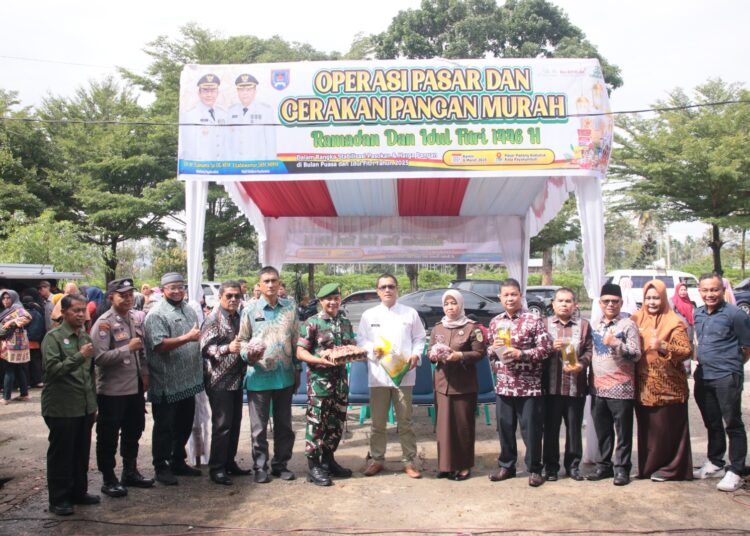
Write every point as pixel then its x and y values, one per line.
pixel 69 407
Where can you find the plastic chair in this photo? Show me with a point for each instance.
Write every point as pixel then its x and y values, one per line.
pixel 486 394
pixel 359 392
pixel 299 398
pixel 424 388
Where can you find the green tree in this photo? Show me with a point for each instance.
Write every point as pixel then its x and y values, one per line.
pixel 689 163
pixel 44 240
pixel 621 239
pixel 26 157
pixel 120 176
pixel 478 28
pixel 561 229
pixel 225 225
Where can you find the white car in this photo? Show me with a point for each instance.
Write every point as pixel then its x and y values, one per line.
pixel 211 292
pixel 669 277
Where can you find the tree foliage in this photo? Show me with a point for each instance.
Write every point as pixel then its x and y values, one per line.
pixel 119 180
pixel 27 156
pixel 225 225
pixel 689 164
pixel 477 28
pixel 44 240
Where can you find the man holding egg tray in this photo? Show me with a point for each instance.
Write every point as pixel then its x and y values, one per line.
pixel 327 385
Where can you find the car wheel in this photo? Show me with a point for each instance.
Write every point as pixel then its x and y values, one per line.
pixel 745 306
pixel 536 309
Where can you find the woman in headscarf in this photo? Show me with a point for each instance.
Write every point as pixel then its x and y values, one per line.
pixel 661 409
pixel 728 292
pixel 35 331
pixel 456 344
pixel 628 303
pixel 684 308
pixel 96 299
pixel 15 344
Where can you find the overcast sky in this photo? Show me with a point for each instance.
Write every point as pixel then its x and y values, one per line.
pixel 53 47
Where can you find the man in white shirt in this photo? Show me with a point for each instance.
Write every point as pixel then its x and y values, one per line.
pixel 402 327
pixel 201 137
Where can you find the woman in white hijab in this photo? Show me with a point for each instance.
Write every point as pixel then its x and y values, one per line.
pixel 456 345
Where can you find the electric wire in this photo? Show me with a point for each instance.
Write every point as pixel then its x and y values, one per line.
pixel 322 124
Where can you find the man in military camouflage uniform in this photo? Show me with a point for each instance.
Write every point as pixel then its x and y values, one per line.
pixel 327 386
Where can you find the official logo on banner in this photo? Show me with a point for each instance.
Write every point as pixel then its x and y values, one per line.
pixel 280 79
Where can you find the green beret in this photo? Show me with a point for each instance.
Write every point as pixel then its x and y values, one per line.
pixel 327 290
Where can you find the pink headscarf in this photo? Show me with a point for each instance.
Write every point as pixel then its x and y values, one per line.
pixel 461 319
pixel 728 292
pixel 683 305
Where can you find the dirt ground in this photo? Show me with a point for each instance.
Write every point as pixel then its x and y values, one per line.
pixel 387 503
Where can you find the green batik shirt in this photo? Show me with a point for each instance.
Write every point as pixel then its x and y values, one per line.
pixel 69 384
pixel 321 332
pixel 277 326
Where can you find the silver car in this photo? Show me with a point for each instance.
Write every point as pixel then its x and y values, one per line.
pixel 357 303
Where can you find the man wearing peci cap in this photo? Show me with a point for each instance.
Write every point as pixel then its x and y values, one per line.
pixel 175 377
pixel 251 134
pixel 121 379
pixel 617 348
pixel 201 133
pixel 327 385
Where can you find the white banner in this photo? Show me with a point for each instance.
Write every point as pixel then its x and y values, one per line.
pixel 427 118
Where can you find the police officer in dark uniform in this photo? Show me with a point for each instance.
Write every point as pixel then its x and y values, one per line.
pixel 327 387
pixel 121 375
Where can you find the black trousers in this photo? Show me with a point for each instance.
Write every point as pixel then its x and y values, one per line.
pixel 173 424
pixel 122 416
pixel 613 416
pixel 36 374
pixel 68 457
pixel 558 408
pixel 529 411
pixel 226 419
pixel 719 402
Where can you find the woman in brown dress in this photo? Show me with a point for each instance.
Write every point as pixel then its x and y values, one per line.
pixel 456 344
pixel 661 408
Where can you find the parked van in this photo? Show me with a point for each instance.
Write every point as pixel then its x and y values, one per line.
pixel 669 277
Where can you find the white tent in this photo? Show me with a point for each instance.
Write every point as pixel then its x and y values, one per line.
pixel 400 161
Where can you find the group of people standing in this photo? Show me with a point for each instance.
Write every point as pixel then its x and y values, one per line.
pixel 628 364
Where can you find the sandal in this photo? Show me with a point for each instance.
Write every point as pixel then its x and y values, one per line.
pixel 462 475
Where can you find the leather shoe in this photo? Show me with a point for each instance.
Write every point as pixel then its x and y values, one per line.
pixel 183 469
pixel 600 474
pixel 135 479
pixel 62 509
pixel 113 488
pixel 87 499
pixel 622 478
pixel 536 480
pixel 504 473
pixel 373 469
pixel 165 476
pixel 283 474
pixel 550 475
pixel 235 470
pixel 446 474
pixel 575 474
pixel 220 477
pixel 412 471
pixel 261 477
pixel 319 476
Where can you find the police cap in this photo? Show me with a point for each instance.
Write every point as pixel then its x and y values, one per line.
pixel 246 80
pixel 327 290
pixel 209 81
pixel 120 285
